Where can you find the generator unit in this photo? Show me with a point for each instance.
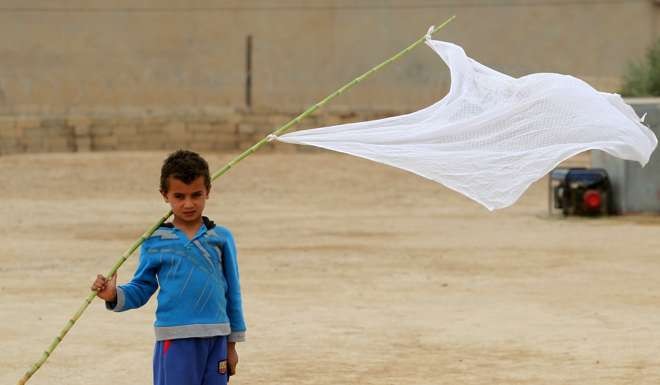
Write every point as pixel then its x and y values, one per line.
pixel 580 191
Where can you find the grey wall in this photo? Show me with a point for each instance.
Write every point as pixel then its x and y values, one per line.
pixel 636 189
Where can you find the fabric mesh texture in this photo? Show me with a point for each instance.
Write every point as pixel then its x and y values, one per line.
pixel 493 135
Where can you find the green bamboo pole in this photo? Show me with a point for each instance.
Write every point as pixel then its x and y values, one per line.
pixel 49 351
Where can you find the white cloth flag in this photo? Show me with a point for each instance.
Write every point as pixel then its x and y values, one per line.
pixel 493 135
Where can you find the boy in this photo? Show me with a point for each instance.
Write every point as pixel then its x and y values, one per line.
pixel 199 317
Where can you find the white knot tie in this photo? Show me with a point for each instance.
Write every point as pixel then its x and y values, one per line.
pixel 428 33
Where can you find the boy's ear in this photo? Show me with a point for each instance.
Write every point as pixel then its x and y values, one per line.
pixel 164 194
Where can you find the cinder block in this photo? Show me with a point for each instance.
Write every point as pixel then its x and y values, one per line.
pixel 125 129
pixel 83 144
pixel 284 148
pixel 104 143
pixel 58 144
pixel 202 146
pixel 23 122
pixel 215 141
pixel 136 143
pixel 257 119
pixel 81 131
pixel 10 146
pixel 203 137
pixel 234 118
pixel 8 130
pixel 154 141
pixel 247 129
pixel 276 121
pixel 246 137
pixel 173 145
pixel 174 129
pixel 54 123
pixel 149 129
pixel 153 121
pixel 218 111
pixel 80 124
pixel 331 120
pixel 227 142
pixel 7 122
pixel 101 129
pixel 176 143
pixel 35 133
pixel 35 145
pixel 225 128
pixel 199 128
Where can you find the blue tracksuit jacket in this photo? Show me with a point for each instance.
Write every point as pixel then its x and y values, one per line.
pixel 200 293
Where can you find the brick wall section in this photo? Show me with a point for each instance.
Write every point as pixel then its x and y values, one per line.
pixel 232 129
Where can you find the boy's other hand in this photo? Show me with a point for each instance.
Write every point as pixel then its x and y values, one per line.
pixel 232 357
pixel 106 289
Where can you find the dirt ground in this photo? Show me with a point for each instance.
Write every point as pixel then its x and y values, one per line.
pixel 352 273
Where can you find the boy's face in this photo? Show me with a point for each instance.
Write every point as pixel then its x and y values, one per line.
pixel 186 200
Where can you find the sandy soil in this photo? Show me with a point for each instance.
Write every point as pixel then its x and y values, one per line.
pixel 352 273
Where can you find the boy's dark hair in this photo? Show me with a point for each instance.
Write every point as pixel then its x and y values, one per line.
pixel 185 166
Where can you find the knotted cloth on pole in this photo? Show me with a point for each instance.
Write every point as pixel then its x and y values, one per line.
pixel 493 135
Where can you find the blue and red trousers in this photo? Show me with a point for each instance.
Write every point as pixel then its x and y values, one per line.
pixel 191 361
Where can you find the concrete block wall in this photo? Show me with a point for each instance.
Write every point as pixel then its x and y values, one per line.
pixel 230 129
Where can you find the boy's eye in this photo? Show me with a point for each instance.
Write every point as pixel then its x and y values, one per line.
pixel 178 196
pixel 197 194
